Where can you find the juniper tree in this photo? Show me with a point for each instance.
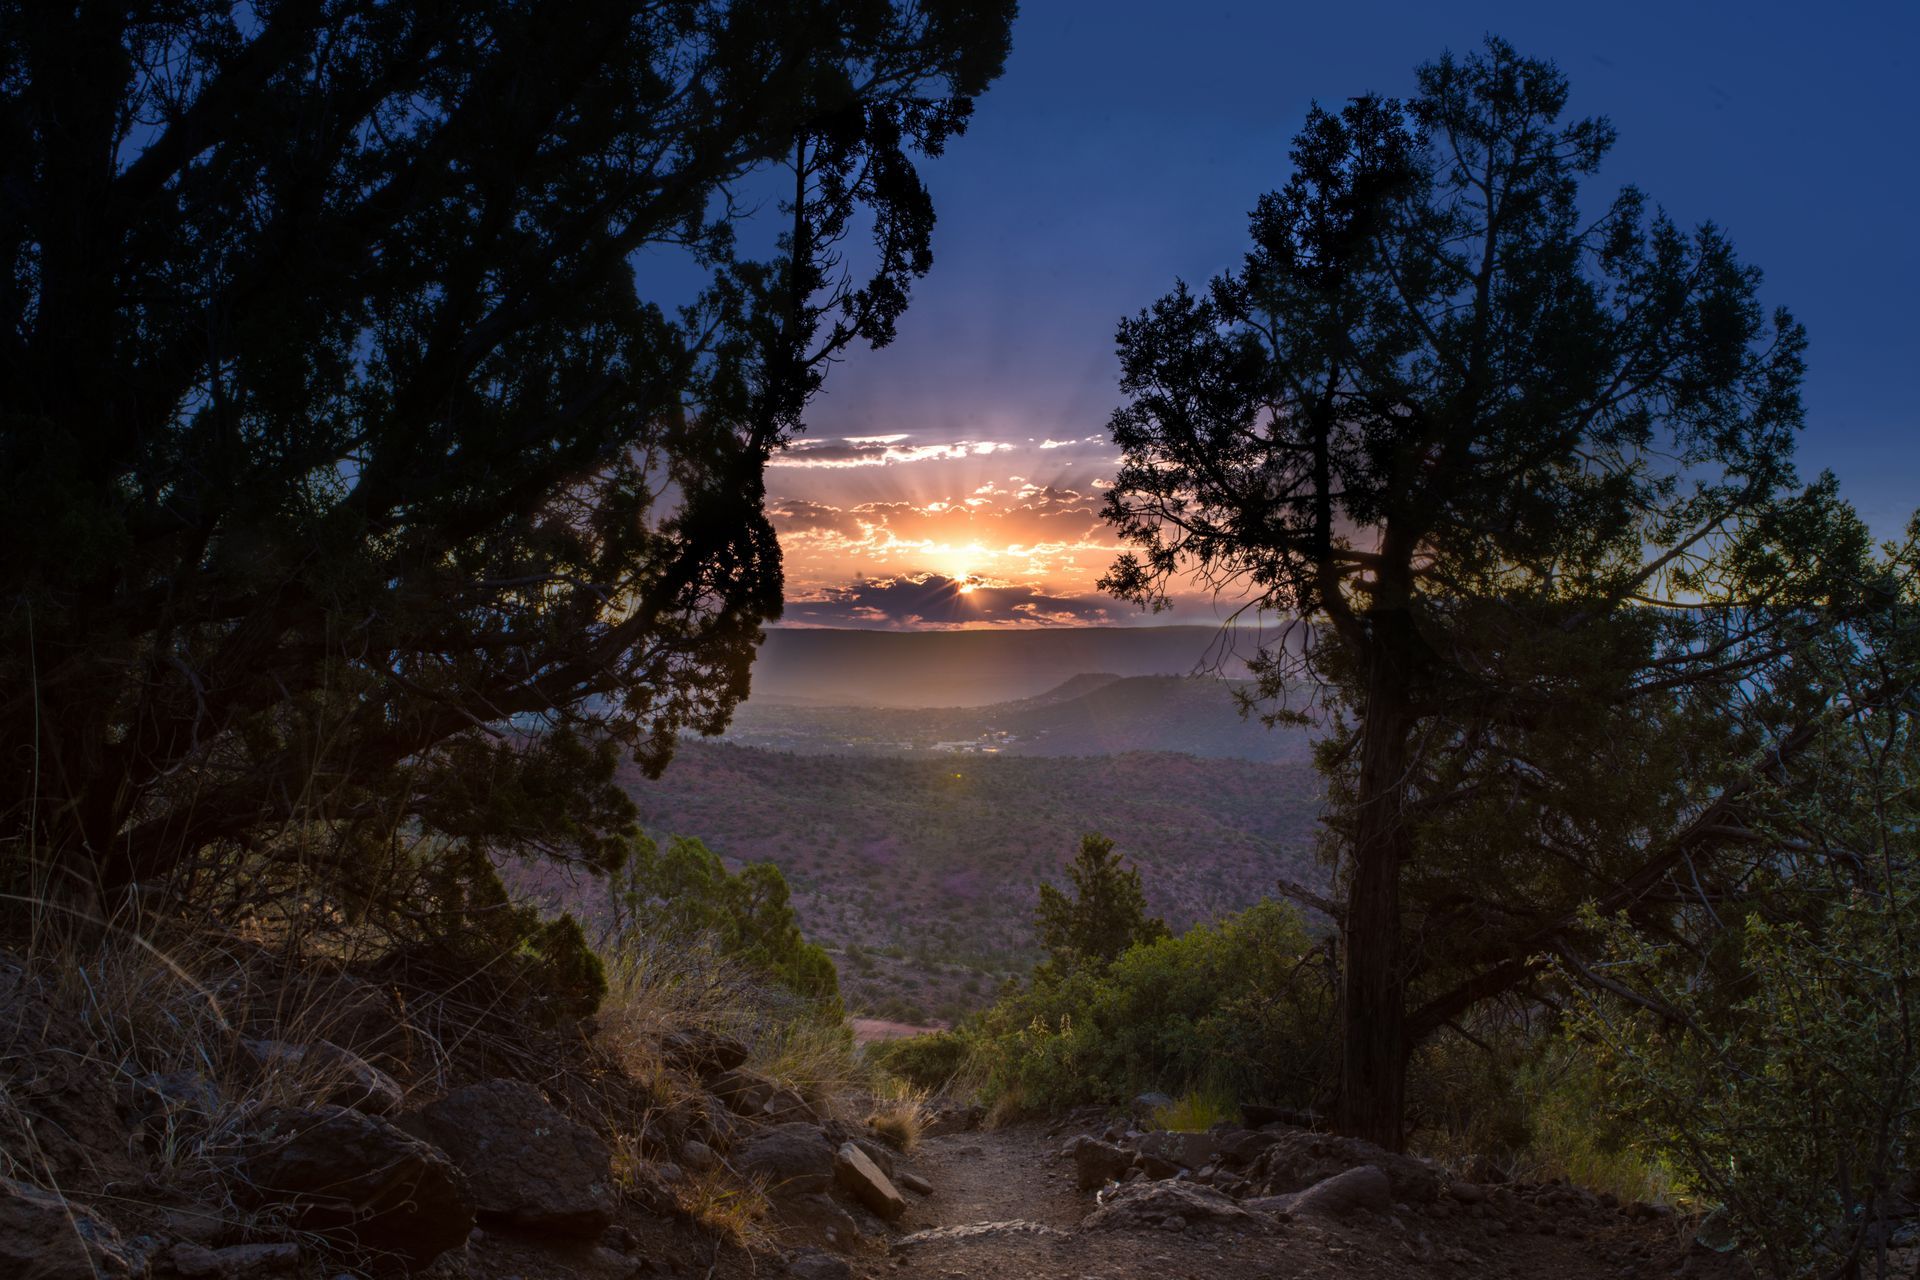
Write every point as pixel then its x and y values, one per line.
pixel 353 463
pixel 1516 462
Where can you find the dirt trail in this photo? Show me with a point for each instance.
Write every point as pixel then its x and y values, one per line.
pixel 1005 1207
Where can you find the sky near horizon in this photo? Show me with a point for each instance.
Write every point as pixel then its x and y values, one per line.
pixel 953 479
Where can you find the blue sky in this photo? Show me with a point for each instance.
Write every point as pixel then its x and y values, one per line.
pixel 1127 141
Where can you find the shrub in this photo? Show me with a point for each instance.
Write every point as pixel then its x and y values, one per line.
pixel 930 1061
pixel 1234 1007
pixel 684 894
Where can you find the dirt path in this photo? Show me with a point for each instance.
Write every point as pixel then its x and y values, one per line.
pixel 1005 1207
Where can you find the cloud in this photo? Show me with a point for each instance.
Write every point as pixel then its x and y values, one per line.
pixel 931 600
pixel 879 451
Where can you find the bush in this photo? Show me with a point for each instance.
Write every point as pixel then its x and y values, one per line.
pixel 1231 1008
pixel 684 894
pixel 929 1061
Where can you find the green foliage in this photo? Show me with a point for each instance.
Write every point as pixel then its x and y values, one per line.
pixel 1235 1007
pixel 568 972
pixel 684 894
pixel 930 1061
pixel 1196 1112
pixel 1764 1044
pixel 1106 914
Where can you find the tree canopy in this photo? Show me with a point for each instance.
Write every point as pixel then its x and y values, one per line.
pixel 1106 914
pixel 1516 462
pixel 353 464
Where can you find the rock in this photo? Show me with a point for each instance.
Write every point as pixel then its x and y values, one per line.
pixel 812 1264
pixel 698 1156
pixel 1166 1204
pixel 876 1152
pixel 529 1166
pixel 1145 1104
pixel 238 1262
pixel 703 1051
pixel 979 1231
pixel 47 1237
pixel 350 1174
pixel 1157 1167
pixel 945 1116
pixel 1466 1192
pixel 862 1179
pixel 743 1092
pixel 1365 1188
pixel 914 1183
pixel 1188 1150
pixel 817 1219
pixel 793 1159
pixel 341 1078
pixel 1097 1163
pixel 1300 1159
pixel 1242 1147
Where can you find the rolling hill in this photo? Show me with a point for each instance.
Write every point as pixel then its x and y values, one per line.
pixel 829 667
pixel 920 873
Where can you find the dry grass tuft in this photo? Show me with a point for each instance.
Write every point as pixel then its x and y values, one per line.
pixel 899 1115
pixel 723 1205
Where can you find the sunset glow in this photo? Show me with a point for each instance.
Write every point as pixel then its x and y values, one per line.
pixel 901 529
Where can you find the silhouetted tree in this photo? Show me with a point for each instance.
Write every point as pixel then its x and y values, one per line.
pixel 346 437
pixel 1519 465
pixel 1106 914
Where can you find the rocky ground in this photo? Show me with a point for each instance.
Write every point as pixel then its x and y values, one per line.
pixel 272 1157
pixel 1279 1201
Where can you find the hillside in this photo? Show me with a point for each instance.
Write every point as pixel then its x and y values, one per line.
pixel 920 872
pixel 829 667
pixel 1089 714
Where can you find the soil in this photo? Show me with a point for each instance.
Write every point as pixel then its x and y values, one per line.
pixel 1005 1207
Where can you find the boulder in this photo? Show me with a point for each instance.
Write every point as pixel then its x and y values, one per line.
pixel 349 1174
pixel 44 1236
pixel 815 1219
pixel 1242 1147
pixel 703 1051
pixel 341 1078
pixel 1166 1206
pixel 1352 1191
pixel 698 1156
pixel 792 1159
pixel 1301 1159
pixel 1097 1163
pixel 1188 1150
pixel 915 1183
pixel 744 1092
pixel 529 1166
pixel 861 1178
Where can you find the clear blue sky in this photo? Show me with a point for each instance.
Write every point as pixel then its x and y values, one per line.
pixel 1126 142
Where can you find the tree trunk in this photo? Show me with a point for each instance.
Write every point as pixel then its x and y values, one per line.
pixel 1373 978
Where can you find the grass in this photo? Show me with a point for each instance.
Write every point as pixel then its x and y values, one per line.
pixel 899 1114
pixel 1196 1111
pixel 726 1207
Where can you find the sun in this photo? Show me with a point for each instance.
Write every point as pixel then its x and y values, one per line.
pixel 963 566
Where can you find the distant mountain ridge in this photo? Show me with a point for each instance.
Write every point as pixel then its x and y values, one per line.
pixel 1088 715
pixel 830 667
